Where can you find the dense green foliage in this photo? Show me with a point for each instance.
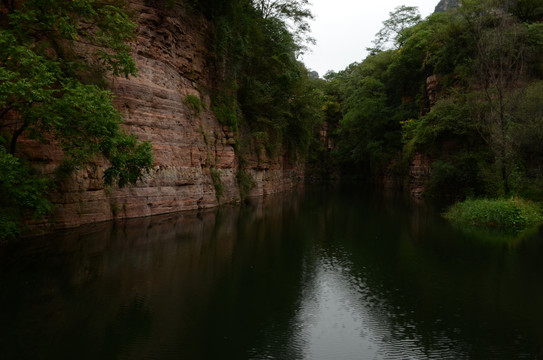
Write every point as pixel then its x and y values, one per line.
pixel 21 191
pixel 263 91
pixel 462 87
pixel 509 213
pixel 50 91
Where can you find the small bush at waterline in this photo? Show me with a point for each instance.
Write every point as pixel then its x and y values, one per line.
pixel 511 213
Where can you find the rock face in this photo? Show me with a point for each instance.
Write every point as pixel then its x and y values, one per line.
pixel 432 89
pixel 172 58
pixel 445 5
pixel 419 174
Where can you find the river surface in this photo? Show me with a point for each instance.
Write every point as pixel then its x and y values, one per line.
pixel 325 274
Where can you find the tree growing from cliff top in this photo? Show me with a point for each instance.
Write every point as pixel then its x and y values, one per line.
pixel 402 18
pixel 54 56
pixel 293 12
pixel 255 56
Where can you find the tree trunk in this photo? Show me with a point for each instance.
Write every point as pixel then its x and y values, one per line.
pixel 15 137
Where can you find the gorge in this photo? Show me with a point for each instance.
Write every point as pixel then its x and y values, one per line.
pixel 223 109
pixel 151 154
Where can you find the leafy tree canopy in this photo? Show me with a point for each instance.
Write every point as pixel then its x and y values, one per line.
pixel 459 87
pixel 390 34
pixel 263 88
pixel 294 13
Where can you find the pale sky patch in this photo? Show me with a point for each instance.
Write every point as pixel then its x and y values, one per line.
pixel 345 28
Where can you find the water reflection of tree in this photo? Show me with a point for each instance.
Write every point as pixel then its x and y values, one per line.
pixel 179 283
pixel 255 300
pixel 434 288
pixel 478 286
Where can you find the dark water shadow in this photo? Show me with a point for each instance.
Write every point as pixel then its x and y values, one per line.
pixel 262 280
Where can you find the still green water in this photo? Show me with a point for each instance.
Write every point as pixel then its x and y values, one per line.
pixel 319 274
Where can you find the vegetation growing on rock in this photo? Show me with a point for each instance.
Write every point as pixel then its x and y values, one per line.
pixel 459 86
pixel 50 91
pixel 463 88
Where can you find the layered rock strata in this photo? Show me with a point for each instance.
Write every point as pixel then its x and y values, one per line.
pixel 172 55
pixel 419 174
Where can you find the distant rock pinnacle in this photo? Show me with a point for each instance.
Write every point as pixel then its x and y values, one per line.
pixel 445 5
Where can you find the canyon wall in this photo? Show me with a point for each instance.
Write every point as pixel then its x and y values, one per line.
pixel 419 174
pixel 191 151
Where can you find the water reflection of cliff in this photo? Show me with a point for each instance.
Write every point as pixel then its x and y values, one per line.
pixel 271 280
pixel 154 287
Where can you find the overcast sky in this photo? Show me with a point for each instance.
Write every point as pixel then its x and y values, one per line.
pixel 345 28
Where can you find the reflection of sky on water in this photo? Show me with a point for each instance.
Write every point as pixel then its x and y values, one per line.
pixel 332 323
pixel 331 277
pixel 341 317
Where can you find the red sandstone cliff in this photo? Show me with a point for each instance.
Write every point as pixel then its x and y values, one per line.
pixel 173 62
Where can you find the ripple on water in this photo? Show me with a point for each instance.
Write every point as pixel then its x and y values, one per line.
pixel 341 317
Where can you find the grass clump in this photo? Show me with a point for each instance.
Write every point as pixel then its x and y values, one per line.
pixel 217 182
pixel 194 102
pixel 245 182
pixel 505 213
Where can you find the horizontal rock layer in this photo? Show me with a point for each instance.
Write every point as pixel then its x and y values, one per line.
pixel 172 56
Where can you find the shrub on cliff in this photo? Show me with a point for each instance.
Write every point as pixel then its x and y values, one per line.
pixel 22 194
pixel 263 88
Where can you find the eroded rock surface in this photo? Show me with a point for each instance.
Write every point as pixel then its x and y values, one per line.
pixel 172 55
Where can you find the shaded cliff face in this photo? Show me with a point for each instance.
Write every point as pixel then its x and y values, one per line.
pixel 172 56
pixel 420 171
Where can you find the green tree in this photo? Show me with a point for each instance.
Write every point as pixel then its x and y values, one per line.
pixel 261 78
pixel 463 85
pixel 528 138
pixel 292 12
pixel 402 18
pixel 306 113
pixel 528 10
pixel 22 192
pixel 369 134
pixel 501 63
pixel 47 94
